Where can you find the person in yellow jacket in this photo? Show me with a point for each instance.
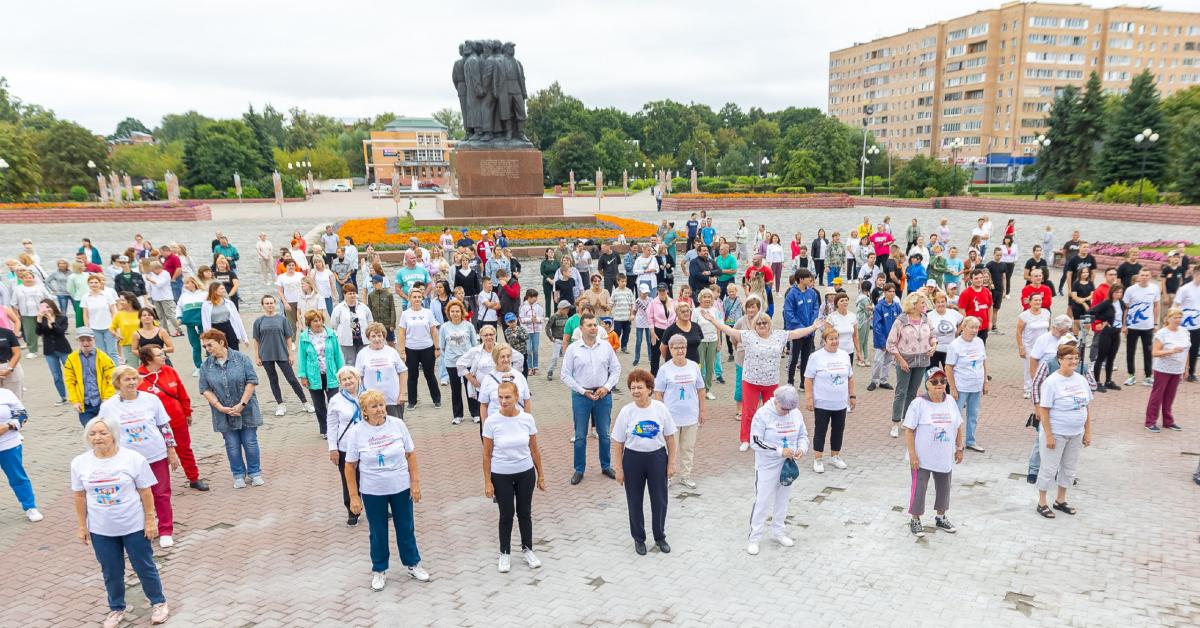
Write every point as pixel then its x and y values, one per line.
pixel 88 376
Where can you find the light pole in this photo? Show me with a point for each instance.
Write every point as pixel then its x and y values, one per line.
pixel 1145 141
pixel 872 151
pixel 1042 142
pixel 765 162
pixel 956 145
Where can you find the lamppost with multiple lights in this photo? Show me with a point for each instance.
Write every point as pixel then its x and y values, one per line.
pixel 955 145
pixel 871 152
pixel 1042 142
pixel 1145 141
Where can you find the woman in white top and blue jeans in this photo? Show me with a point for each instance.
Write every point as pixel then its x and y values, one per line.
pixel 343 412
pixel 512 465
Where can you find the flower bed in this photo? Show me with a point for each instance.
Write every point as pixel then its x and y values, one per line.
pixel 387 233
pixel 1155 251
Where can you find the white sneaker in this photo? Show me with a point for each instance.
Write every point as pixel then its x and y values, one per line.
pixel 280 410
pixel 837 462
pixel 1130 381
pixel 531 559
pixel 752 548
pixel 166 541
pixel 895 431
pixel 196 373
pixel 688 482
pixel 504 564
pixel 378 579
pixel 31 355
pixel 418 572
pixel 818 466
pixel 709 396
pixel 474 419
pixel 33 515
pixel 1149 381
pixel 744 447
pixel 783 540
pixel 310 408
pixel 257 481
pixel 456 420
pixel 1025 395
pixel 239 483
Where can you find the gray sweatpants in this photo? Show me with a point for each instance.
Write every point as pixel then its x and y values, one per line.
pixel 920 484
pixel 882 364
pixel 1059 464
pixel 908 384
pixel 166 316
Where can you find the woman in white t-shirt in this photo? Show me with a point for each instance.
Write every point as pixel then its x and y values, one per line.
pixel 944 322
pixel 381 475
pixel 417 338
pixel 512 466
pixel 845 322
pixel 779 435
pixel 12 419
pixel 1065 412
pixel 322 279
pixel 145 428
pixel 382 369
pixel 341 413
pixel 710 341
pixel 1171 345
pixel 115 509
pixel 99 307
pixel 1032 324
pixel 680 386
pixel 828 393
pixel 967 372
pixel 643 437
pixel 933 431
pixel 501 372
pixel 288 285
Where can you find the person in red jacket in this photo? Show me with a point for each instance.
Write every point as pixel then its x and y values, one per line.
pixel 163 382
pixel 1035 286
pixel 977 301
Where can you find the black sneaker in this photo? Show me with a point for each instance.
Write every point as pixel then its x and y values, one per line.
pixel 720 380
pixel 1153 428
pixel 944 524
pixel 1112 385
pixel 437 404
pixel 886 386
pixel 1174 427
pixel 352 521
pixel 914 526
pixel 412 404
pixel 1100 389
pixel 199 485
pixel 1192 379
pixel 1031 478
pixel 871 386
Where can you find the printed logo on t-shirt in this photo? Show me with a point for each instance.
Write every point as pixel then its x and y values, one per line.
pixel 1191 317
pixel 108 493
pixel 646 429
pixel 1138 312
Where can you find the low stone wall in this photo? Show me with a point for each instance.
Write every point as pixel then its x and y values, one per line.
pixel 247 201
pixel 182 213
pixel 805 201
pixel 1161 214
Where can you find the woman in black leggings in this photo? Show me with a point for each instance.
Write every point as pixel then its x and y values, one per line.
pixel 274 349
pixel 1111 313
pixel 512 465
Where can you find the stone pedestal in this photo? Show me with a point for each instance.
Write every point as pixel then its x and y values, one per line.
pixel 498 184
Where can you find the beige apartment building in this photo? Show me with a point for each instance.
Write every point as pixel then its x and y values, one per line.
pixel 990 77
pixel 418 147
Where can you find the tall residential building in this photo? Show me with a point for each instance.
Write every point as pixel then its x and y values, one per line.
pixel 989 78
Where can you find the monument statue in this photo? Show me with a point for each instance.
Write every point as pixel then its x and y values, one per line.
pixel 490 82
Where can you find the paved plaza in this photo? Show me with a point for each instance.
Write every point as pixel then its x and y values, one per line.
pixel 281 555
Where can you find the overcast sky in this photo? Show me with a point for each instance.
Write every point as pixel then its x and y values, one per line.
pixel 98 62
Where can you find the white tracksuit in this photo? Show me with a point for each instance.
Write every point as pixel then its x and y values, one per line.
pixel 770 433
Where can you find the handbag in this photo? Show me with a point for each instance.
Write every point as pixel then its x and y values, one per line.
pixel 789 472
pixel 1033 420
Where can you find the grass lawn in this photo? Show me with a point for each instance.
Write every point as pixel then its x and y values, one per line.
pixel 1191 250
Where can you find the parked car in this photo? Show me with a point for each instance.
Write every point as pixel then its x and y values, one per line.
pixel 339 187
pixel 385 188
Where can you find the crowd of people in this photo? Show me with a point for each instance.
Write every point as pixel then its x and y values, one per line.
pixel 352 342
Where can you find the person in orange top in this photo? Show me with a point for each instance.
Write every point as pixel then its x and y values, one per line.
pixel 613 338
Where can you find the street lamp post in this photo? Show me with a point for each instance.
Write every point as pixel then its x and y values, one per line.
pixel 872 151
pixel 765 162
pixel 956 145
pixel 1145 141
pixel 1042 142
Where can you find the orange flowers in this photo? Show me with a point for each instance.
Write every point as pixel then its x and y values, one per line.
pixel 377 232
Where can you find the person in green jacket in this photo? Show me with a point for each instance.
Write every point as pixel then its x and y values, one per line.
pixel 383 307
pixel 319 378
pixel 937 266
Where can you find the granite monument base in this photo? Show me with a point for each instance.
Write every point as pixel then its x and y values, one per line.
pixel 490 173
pixel 498 207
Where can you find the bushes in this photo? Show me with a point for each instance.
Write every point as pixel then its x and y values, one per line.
pixel 203 191
pixel 794 189
pixel 715 186
pixel 249 191
pixel 930 191
pixel 1119 192
pixel 1083 188
pixel 78 193
pixel 1172 198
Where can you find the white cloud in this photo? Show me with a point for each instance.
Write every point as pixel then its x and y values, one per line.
pixel 99 62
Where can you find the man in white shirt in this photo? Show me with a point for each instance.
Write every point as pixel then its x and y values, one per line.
pixel 591 370
pixel 984 231
pixel 1143 301
pixel 264 250
pixel 329 244
pixel 1188 300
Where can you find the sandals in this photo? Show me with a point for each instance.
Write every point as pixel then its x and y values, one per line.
pixel 1045 511
pixel 1064 507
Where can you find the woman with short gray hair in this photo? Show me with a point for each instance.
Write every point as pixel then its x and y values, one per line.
pixel 778 434
pixel 1066 417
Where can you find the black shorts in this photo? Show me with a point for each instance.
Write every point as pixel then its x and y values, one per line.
pixel 997 298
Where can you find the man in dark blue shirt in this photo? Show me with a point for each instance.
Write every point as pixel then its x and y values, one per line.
pixel 693 226
pixel 801 306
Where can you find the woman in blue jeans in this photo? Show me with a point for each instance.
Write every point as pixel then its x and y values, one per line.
pixel 967 358
pixel 52 327
pixel 115 512
pixel 381 477
pixel 227 381
pixel 12 419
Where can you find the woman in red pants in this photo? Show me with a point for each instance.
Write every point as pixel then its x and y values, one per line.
pixel 163 382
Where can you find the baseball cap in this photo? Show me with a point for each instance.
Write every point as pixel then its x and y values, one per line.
pixel 509 317
pixel 463 230
pixel 84 332
pixel 934 372
pixel 484 232
pixel 606 319
pixel 837 281
pixel 376 278
pixel 662 287
pixel 931 283
pixel 123 258
pixel 564 304
pixel 643 289
pixel 952 285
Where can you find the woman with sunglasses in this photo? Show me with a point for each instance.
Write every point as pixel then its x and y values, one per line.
pixel 934 432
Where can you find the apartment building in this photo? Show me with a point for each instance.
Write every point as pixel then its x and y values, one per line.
pixel 989 78
pixel 419 147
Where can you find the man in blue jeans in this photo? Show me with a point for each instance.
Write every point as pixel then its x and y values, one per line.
pixel 591 370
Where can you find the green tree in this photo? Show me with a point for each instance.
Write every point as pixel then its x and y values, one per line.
pixel 1056 162
pixel 1188 167
pixel 65 149
pixel 801 169
pixel 219 149
pixel 263 141
pixel 179 126
pixel 665 126
pixel 149 161
pixel 307 129
pixel 1121 157
pixel 327 161
pixel 831 143
pixel 10 110
pixel 738 161
pixel 552 115
pixel 763 136
pixel 1180 109
pixel 273 121
pixel 921 172
pixel 1087 127
pixel 452 120
pixel 732 117
pixel 351 148
pixel 127 127
pixel 575 152
pixel 24 173
pixel 792 116
pixel 615 153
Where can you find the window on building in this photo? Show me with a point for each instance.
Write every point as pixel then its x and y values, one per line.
pixel 1045 22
